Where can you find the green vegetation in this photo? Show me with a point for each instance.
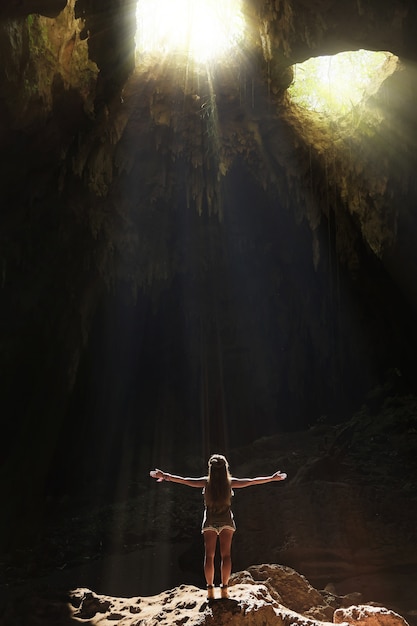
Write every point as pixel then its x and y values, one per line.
pixel 39 43
pixel 334 85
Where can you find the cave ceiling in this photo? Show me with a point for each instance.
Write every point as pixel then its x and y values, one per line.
pixel 117 155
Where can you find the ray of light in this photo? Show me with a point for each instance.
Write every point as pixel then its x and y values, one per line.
pixel 201 29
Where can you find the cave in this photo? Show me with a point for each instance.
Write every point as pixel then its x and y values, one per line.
pixel 191 260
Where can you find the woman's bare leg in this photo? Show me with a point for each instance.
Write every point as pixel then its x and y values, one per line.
pixel 210 540
pixel 225 539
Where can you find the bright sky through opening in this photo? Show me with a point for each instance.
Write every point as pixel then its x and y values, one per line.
pixel 335 84
pixel 203 30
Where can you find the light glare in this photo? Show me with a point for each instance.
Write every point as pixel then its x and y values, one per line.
pixel 336 84
pixel 201 29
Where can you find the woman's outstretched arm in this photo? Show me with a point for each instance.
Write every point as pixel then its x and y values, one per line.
pixel 237 483
pixel 173 478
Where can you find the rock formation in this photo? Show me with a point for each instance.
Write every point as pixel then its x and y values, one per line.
pixel 191 263
pixel 283 598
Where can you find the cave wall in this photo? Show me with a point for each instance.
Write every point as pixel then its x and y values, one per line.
pixel 287 296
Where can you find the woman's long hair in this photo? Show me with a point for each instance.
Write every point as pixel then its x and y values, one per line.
pixel 218 491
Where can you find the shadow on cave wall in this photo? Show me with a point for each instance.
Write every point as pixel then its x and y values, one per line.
pixel 247 340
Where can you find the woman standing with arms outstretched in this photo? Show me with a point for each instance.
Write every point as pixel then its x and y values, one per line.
pixel 218 522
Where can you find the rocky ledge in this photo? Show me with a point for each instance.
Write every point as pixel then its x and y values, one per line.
pixel 262 594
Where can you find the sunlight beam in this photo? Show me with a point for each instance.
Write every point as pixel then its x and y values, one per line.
pixel 204 30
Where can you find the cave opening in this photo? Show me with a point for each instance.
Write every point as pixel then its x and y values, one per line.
pixel 335 85
pixel 196 30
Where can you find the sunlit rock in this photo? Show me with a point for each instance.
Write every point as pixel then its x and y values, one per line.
pixel 364 615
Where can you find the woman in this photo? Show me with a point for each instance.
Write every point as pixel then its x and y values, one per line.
pixel 218 522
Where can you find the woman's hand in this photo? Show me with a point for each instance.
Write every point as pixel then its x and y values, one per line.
pixel 279 476
pixel 158 474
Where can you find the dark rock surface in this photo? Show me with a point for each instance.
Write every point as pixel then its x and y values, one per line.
pixel 168 291
pixel 344 519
